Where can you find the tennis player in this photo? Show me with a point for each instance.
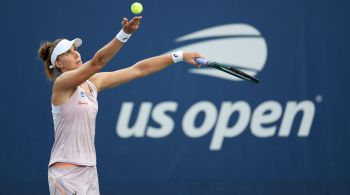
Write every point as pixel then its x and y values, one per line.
pixel 72 166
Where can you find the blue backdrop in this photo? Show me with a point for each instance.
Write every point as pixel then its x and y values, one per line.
pixel 186 130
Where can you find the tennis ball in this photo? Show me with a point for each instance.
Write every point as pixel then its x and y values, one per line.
pixel 136 8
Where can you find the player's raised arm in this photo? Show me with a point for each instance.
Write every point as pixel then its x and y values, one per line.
pixel 70 64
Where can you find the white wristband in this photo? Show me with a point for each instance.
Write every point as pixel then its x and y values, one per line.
pixel 177 56
pixel 122 36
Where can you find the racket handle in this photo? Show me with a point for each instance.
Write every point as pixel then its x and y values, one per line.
pixel 201 61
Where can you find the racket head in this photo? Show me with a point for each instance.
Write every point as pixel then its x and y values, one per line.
pixel 227 69
pixel 233 71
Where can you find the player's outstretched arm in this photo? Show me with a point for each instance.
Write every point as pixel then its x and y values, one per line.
pixel 142 68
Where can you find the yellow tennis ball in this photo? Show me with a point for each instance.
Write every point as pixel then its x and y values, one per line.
pixel 136 8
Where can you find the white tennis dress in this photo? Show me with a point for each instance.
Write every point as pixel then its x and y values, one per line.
pixel 74 123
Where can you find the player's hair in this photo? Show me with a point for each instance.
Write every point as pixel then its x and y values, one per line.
pixel 45 52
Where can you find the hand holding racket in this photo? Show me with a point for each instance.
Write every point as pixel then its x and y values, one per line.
pixel 226 68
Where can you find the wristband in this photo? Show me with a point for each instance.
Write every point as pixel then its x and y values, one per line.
pixel 177 56
pixel 122 36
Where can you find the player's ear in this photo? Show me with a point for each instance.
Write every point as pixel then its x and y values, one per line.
pixel 59 63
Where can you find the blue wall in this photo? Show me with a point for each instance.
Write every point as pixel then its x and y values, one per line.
pixel 201 134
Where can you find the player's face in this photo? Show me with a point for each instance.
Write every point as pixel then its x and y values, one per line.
pixel 70 59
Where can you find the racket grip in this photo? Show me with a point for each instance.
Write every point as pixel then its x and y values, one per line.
pixel 201 61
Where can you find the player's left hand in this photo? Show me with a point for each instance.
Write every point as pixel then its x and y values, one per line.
pixel 131 26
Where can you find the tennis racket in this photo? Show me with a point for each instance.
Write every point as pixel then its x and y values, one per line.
pixel 226 68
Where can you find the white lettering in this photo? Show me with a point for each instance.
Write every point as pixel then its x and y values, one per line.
pixel 166 122
pixel 138 129
pixel 292 108
pixel 262 120
pixel 222 130
pixel 190 116
pixel 266 113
